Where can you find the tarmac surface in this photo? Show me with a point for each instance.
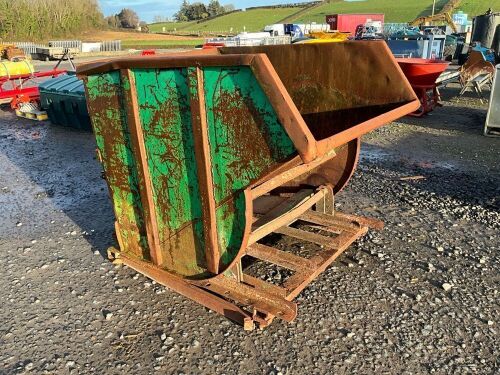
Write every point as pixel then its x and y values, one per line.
pixel 420 296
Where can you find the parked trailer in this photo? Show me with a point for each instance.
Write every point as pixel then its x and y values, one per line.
pixel 208 152
pixel 54 53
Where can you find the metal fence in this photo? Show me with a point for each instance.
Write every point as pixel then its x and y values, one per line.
pixel 30 47
pixel 238 41
pixel 286 39
pixel 111 45
pixel 66 44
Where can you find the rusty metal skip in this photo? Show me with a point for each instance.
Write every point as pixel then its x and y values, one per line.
pixel 206 154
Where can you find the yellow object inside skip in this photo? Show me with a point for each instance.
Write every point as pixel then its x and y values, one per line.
pixel 322 37
pixel 14 68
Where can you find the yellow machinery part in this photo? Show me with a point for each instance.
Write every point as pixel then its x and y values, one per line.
pixel 337 36
pixel 439 17
pixel 322 37
pixel 13 68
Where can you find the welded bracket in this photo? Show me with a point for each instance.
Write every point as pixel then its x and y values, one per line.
pixel 114 255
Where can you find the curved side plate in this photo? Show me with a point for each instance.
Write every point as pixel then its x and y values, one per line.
pixel 335 172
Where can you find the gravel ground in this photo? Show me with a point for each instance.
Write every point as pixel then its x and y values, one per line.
pixel 419 297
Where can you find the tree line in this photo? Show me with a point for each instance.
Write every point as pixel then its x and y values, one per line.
pixel 198 10
pixel 40 19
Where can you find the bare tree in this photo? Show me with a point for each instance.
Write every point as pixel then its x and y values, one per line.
pixel 158 19
pixel 229 7
pixel 128 18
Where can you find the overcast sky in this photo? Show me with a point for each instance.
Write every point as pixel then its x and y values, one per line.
pixel 147 9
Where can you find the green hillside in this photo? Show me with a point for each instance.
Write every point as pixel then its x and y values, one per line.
pixel 475 7
pixel 256 19
pixel 394 10
pixel 250 20
pixel 169 26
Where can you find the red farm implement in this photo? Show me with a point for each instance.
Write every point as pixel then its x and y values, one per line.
pixel 23 87
pixel 422 75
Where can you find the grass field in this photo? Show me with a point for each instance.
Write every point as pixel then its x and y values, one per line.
pixel 169 26
pixel 135 40
pixel 475 7
pixel 250 20
pixel 395 10
pixel 161 44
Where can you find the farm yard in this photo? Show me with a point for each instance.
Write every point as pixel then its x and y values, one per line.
pixel 191 33
pixel 256 19
pixel 395 11
pixel 380 308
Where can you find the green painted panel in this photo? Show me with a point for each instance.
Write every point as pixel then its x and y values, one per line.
pixel 164 111
pixel 246 142
pixel 246 137
pixel 113 142
pixel 231 222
